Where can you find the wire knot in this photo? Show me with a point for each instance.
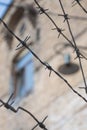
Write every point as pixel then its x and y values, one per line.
pixel 65 16
pixel 42 10
pixel 41 125
pixel 22 43
pixel 59 30
pixel 49 68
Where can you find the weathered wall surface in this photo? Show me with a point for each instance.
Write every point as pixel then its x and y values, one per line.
pixel 51 96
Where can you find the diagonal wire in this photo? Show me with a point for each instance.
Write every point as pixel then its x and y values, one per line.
pixel 41 122
pixel 43 63
pixel 59 30
pixel 8 106
pixel 10 98
pixel 56 27
pixel 76 48
pixel 78 2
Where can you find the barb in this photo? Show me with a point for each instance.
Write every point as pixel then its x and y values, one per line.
pixel 56 27
pixel 52 70
pixel 41 124
pixel 59 30
pixel 75 2
pixel 11 32
pixel 8 106
pixel 65 16
pixel 66 19
pixel 78 2
pixel 49 68
pixel 22 43
pixel 43 63
pixel 42 10
pixel 19 46
pixel 10 97
pixel 79 56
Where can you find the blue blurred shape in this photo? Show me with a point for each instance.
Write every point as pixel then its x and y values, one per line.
pixel 4 6
pixel 26 63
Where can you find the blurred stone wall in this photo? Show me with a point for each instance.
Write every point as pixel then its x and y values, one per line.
pixel 51 96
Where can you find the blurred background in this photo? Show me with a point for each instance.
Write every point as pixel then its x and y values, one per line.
pixel 23 75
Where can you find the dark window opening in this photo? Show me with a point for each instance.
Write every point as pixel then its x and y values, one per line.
pixel 32 15
pixel 12 24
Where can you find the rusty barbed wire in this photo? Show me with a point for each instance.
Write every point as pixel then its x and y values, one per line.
pixel 43 63
pixel 78 2
pixel 66 18
pixel 9 106
pixel 76 48
pixel 23 43
pixel 59 30
pixel 74 2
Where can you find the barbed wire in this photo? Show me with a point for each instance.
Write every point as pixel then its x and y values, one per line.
pixel 9 106
pixel 23 43
pixel 59 30
pixel 66 18
pixel 78 2
pixel 73 39
pixel 50 68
